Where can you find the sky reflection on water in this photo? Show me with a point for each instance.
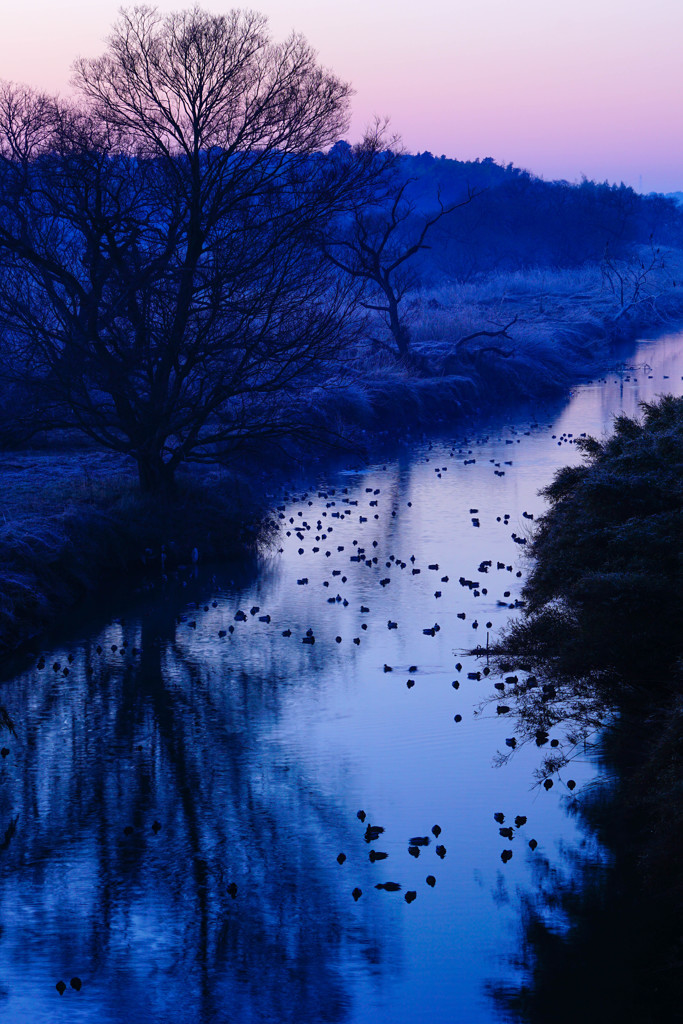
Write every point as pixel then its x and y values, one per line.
pixel 175 763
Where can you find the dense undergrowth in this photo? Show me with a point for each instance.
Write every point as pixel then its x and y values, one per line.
pixel 604 594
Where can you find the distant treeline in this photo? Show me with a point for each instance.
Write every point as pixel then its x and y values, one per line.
pixel 519 220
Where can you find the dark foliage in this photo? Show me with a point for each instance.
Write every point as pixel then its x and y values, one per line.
pixel 603 630
pixel 620 954
pixel 522 221
pixel 604 590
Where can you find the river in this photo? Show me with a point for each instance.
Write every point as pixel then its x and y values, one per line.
pixel 187 808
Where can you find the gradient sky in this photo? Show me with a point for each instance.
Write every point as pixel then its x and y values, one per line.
pixel 591 87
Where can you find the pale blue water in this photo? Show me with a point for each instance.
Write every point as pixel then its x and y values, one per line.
pixel 254 752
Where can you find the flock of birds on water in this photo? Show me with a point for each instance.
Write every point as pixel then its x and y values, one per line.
pixel 313 534
pixel 340 508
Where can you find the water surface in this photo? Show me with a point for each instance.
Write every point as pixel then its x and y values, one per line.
pixel 188 770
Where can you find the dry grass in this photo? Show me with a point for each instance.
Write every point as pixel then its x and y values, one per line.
pixel 543 300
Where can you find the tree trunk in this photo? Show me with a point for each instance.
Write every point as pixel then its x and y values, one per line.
pixel 154 475
pixel 399 332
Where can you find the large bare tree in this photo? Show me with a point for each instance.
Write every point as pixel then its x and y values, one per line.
pixel 160 277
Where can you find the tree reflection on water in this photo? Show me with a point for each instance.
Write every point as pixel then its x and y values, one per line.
pixel 141 800
pixel 601 930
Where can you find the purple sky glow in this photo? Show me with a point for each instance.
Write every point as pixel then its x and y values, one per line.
pixel 591 87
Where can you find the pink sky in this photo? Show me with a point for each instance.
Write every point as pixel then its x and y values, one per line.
pixel 592 87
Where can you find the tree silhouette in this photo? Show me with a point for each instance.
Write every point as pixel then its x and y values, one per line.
pixel 161 285
pixel 376 244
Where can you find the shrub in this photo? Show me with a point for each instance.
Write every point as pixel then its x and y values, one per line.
pixel 608 553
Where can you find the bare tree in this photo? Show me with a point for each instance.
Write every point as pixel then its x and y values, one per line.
pixel 376 244
pixel 632 278
pixel 160 277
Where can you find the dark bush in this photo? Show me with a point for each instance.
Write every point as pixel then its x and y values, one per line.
pixel 604 591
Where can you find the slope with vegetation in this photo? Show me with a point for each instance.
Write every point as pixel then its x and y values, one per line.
pixel 603 595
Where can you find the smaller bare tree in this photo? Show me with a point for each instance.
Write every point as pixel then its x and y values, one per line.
pixel 630 278
pixel 375 246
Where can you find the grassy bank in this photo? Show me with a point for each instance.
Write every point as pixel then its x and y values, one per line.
pixel 565 325
pixel 71 520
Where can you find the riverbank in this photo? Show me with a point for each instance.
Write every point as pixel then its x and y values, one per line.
pixel 72 521
pixel 560 327
pixel 601 633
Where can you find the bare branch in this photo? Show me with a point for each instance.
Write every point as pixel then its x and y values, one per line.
pixel 501 333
